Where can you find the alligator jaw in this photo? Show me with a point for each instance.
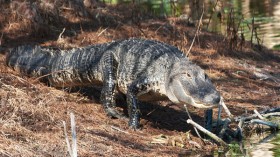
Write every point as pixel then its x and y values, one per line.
pixel 177 94
pixel 199 104
pixel 202 106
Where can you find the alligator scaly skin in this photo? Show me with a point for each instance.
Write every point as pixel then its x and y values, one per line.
pixel 138 68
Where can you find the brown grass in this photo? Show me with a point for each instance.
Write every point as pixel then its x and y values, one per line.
pixel 31 113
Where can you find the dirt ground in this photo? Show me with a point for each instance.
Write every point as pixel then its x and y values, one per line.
pixel 31 113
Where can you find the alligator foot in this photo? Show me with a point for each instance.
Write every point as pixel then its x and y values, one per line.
pixel 134 122
pixel 115 114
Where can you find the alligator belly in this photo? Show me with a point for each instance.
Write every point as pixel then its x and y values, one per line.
pixel 152 96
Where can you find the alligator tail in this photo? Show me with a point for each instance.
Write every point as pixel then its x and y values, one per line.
pixel 29 60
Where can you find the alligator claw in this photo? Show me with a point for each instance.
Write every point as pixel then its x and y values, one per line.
pixel 134 128
pixel 134 123
pixel 115 114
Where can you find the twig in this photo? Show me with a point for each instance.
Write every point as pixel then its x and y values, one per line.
pixel 270 124
pixel 247 118
pixel 258 114
pixel 211 14
pixel 60 35
pixel 67 139
pixel 72 150
pixel 83 40
pixel 142 31
pixel 253 27
pixel 152 111
pixel 66 8
pixel 22 80
pixel 157 109
pixel 277 109
pixel 241 122
pixel 267 138
pixel 197 29
pixel 1 38
pixel 267 113
pixel 159 28
pixel 226 109
pixel 191 119
pixel 271 114
pixel 256 36
pixel 102 32
pixel 213 136
pixel 74 136
pixel 220 108
pixel 118 129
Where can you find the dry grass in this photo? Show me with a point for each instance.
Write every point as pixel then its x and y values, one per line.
pixel 31 113
pixel 31 124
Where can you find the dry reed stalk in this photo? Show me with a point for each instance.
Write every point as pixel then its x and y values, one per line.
pixel 73 148
pixel 209 20
pixel 196 33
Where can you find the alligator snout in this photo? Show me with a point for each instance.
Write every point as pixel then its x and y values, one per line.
pixel 213 98
pixel 196 91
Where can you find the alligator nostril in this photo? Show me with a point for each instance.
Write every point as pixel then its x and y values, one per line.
pixel 205 77
pixel 213 98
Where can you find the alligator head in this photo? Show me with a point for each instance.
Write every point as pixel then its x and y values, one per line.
pixel 188 84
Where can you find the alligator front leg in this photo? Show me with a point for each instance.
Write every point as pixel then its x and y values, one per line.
pixel 135 89
pixel 109 86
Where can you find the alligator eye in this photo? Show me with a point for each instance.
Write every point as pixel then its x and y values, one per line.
pixel 189 75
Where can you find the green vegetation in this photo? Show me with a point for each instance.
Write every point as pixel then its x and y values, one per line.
pixel 276 142
pixel 276 47
pixel 258 16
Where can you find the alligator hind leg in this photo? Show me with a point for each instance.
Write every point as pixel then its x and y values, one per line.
pixel 109 87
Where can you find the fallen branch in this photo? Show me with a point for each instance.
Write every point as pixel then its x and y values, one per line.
pixel 271 114
pixel 226 133
pixel 270 124
pixel 266 113
pixel 213 136
pixel 258 114
pixel 277 109
pixel 267 138
pixel 191 119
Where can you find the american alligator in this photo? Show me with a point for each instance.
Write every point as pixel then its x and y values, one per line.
pixel 144 70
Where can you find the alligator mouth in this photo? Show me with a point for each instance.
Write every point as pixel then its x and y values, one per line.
pixel 202 105
pixel 178 94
